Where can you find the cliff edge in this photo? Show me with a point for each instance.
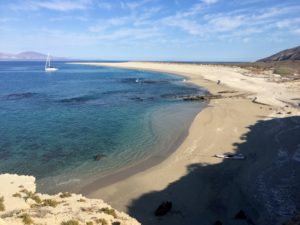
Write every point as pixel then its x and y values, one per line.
pixel 20 204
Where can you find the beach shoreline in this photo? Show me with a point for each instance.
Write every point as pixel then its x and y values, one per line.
pixel 217 129
pixel 154 159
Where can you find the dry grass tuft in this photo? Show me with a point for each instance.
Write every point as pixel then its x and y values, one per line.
pixel 109 211
pixel 2 206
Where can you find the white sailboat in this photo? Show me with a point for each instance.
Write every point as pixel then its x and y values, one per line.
pixel 48 68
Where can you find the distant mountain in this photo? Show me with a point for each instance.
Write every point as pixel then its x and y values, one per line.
pixel 288 54
pixel 28 56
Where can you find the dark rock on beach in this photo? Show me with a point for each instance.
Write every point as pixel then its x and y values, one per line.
pixel 241 215
pixel 163 208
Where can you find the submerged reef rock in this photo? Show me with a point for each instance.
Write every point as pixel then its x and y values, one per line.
pixel 19 96
pixel 99 157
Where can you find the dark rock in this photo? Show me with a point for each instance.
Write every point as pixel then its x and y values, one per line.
pixel 163 208
pixel 99 157
pixel 138 99
pixel 241 215
pixel 169 96
pixel 154 81
pixel 79 99
pixel 201 97
pixel 293 221
pixel 218 222
pixel 18 96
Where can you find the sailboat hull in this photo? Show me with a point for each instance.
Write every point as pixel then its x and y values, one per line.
pixel 50 69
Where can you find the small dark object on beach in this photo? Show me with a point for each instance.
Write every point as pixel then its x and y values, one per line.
pixel 218 222
pixel 99 157
pixel 288 112
pixel 254 100
pixel 279 113
pixel 241 215
pixel 163 208
pixel 286 106
pixel 218 82
pixel 270 108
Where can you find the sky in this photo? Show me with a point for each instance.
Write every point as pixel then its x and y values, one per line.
pixel 184 30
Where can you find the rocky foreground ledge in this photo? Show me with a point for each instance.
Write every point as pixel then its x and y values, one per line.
pixel 20 204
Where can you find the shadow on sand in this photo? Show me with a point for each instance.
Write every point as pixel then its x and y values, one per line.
pixel 265 186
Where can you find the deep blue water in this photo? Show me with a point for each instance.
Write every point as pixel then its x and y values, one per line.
pixel 53 124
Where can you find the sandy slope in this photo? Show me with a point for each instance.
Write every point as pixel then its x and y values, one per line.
pixel 203 188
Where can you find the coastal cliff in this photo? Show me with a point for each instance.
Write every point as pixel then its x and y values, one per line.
pixel 20 204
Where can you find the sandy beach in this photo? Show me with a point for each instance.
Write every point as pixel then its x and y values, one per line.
pixel 204 188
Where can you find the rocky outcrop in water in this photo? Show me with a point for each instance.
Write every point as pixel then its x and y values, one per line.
pixel 201 97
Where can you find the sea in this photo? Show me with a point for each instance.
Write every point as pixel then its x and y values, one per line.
pixel 71 127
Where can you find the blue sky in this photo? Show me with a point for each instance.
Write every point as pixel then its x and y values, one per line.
pixel 203 30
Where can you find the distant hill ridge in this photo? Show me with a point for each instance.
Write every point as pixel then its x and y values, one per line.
pixel 288 54
pixel 29 55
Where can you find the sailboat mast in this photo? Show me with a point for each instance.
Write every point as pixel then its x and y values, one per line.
pixel 46 64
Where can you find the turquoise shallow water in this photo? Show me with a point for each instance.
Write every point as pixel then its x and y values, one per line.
pixel 53 124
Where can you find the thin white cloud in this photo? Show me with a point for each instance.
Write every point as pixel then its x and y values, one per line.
pixel 297 31
pixel 134 5
pixel 7 19
pixel 226 23
pixel 70 18
pixel 286 23
pixel 56 5
pixel 210 2
pixel 187 25
pixel 105 5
